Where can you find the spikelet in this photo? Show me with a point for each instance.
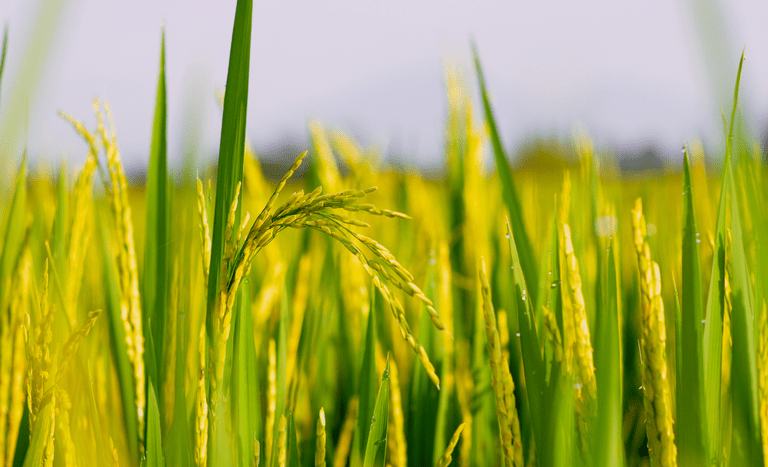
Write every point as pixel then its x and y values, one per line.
pixel 39 354
pixel 271 396
pixel 445 459
pixel 205 235
pixel 396 428
pixel 320 442
pixel 511 446
pixel 201 408
pixel 762 381
pixel 70 347
pixel 575 312
pixel 656 385
pixel 343 445
pixel 63 426
pixel 256 453
pixel 281 442
pixel 115 457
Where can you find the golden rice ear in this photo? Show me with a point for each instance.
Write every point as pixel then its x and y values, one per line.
pixel 655 373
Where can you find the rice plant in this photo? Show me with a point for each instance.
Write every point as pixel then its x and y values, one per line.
pixel 363 316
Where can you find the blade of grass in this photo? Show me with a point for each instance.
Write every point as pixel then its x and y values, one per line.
pixel 154 453
pixel 293 444
pixel 280 377
pixel 608 445
pixel 232 144
pixel 178 444
pixel 245 383
pixel 376 447
pixel 367 382
pixel 508 191
pixel 691 400
pixel 533 364
pixel 155 278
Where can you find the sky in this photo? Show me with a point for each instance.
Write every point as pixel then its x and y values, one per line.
pixel 630 74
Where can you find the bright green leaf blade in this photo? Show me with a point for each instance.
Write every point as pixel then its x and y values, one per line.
pixel 155 279
pixel 154 448
pixel 376 447
pixel 691 399
pixel 232 144
pixel 367 382
pixel 508 191
pixel 608 445
pixel 529 341
pixel 560 450
pixel 280 377
pixel 178 446
pixel 245 383
pixel 293 444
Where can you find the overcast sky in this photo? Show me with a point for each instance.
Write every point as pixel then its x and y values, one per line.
pixel 629 72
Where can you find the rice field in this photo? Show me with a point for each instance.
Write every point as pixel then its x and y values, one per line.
pixel 530 317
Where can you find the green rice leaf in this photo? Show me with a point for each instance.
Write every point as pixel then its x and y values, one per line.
pixel 281 345
pixel 245 383
pixel 293 444
pixel 232 144
pixel 533 363
pixel 508 191
pixel 560 448
pixel 157 225
pixel 154 454
pixel 691 400
pixel 376 446
pixel 367 382
pixel 178 447
pixel 608 445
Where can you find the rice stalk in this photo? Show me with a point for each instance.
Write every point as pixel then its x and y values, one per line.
pixel 656 384
pixel 511 444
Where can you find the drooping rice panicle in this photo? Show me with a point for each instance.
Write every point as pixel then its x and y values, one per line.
pixel 511 446
pixel 320 441
pixel 446 458
pixel 656 382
